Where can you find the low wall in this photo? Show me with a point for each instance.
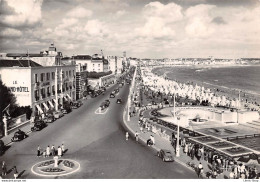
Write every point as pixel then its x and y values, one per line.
pixel 16 121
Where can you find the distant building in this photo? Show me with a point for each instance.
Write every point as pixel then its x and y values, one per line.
pixel 49 57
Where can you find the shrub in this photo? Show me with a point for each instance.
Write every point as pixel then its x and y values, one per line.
pixel 19 110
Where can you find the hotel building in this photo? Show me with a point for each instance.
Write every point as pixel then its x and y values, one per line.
pixel 41 87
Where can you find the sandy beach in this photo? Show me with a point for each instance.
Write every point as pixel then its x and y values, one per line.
pixel 252 98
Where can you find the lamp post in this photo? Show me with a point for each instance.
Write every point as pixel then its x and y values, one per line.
pixel 178 128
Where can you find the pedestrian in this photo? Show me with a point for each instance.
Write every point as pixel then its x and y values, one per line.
pixel 63 148
pixel 231 175
pixel 48 151
pixel 152 139
pixel 44 153
pixel 53 152
pixel 59 151
pixel 126 136
pixel 15 172
pixel 136 136
pixel 200 169
pixel 38 151
pixel 4 169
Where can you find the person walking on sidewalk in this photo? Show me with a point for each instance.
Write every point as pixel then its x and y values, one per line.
pixel 4 169
pixel 53 150
pixel 152 139
pixel 136 136
pixel 126 136
pixel 48 151
pixel 63 149
pixel 200 169
pixel 15 172
pixel 59 151
pixel 38 151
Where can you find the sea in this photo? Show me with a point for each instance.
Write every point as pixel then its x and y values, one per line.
pixel 244 78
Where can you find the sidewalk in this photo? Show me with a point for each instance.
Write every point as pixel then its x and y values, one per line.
pixel 162 143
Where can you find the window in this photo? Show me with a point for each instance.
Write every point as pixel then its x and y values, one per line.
pixel 98 65
pixel 36 95
pixel 48 91
pixel 48 76
pixel 42 76
pixel 63 74
pixel 36 78
pixel 53 75
pixel 73 72
pixel 43 92
pixel 84 68
pixel 69 73
pixel 66 73
pixel 53 89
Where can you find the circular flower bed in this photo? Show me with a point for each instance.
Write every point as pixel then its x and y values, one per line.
pixel 52 170
pixel 68 164
pixel 207 139
pixel 47 168
pixel 236 150
pixel 47 163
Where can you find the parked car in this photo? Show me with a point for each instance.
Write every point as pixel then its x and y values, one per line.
pixel 18 136
pixel 119 101
pixel 154 103
pixel 103 89
pixel 2 147
pixel 58 114
pixel 165 155
pixel 116 90
pixel 105 104
pixel 49 118
pixel 38 125
pixel 112 95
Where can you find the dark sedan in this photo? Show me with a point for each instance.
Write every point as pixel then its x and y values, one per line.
pixel 18 136
pixel 165 155
pixel 39 125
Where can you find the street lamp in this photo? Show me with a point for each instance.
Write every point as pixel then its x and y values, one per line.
pixel 178 128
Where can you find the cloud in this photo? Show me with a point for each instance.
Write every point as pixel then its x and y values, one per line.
pixel 218 20
pixel 159 18
pixel 199 21
pixel 10 32
pixel 79 12
pixel 120 13
pixel 95 28
pixel 21 13
pixel 170 12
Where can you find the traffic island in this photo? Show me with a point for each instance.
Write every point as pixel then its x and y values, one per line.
pixel 50 168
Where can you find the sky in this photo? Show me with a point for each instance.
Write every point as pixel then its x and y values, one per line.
pixel 142 28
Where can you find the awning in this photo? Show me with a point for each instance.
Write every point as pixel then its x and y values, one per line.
pixel 39 109
pixel 46 107
pixel 69 96
pixel 65 98
pixel 51 104
pixel 55 101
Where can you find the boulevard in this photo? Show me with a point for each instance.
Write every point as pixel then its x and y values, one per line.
pixel 97 142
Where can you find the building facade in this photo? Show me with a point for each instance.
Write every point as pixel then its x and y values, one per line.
pixel 41 87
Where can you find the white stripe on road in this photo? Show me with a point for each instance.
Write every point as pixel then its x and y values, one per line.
pixel 104 112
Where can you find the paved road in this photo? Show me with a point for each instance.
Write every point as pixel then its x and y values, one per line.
pixel 96 141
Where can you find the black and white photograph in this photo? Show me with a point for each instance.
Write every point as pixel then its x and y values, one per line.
pixel 129 89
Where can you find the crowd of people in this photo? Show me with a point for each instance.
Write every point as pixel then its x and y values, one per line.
pixel 51 151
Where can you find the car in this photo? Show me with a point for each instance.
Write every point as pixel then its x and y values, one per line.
pixel 112 95
pixel 58 114
pixel 119 101
pixel 105 104
pixel 38 125
pixel 116 90
pixel 103 89
pixel 154 103
pixel 165 155
pixel 18 136
pixel 2 147
pixel 49 118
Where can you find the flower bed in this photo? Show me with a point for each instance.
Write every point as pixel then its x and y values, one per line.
pixel 221 145
pixel 236 150
pixel 206 139
pixel 47 163
pixel 68 164
pixel 52 170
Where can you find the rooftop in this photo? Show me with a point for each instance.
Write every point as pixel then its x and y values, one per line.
pixel 18 63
